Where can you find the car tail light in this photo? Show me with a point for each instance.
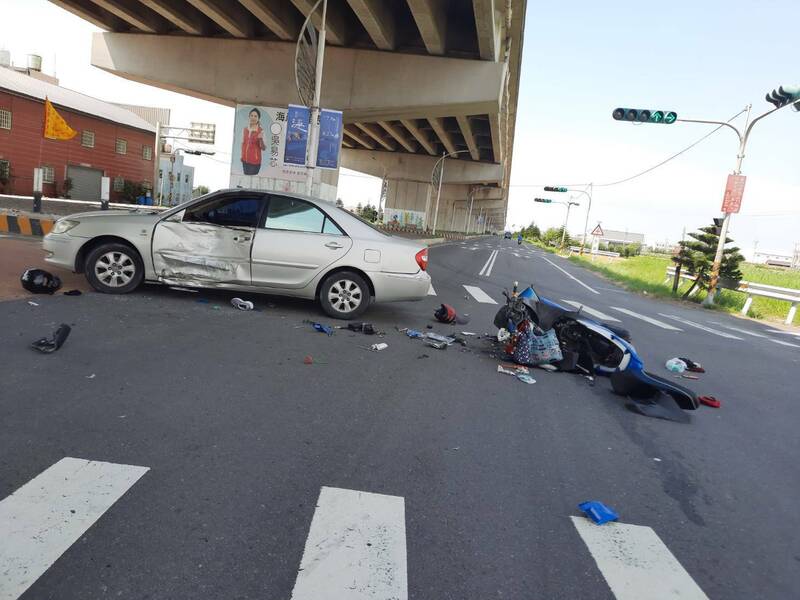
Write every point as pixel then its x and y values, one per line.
pixel 422 259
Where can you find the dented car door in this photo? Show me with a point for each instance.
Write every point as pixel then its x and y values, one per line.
pixel 208 244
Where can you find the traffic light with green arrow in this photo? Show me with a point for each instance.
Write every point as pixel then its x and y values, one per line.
pixel 545 200
pixel 550 188
pixel 644 115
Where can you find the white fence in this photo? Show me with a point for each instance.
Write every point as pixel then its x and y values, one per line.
pixel 751 289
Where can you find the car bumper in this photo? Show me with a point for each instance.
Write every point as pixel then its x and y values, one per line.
pixel 391 287
pixel 61 249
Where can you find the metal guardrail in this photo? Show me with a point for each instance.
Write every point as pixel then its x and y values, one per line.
pixel 751 289
pixel 586 251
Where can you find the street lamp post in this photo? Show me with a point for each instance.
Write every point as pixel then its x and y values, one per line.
pixel 743 138
pixel 440 165
pixel 569 204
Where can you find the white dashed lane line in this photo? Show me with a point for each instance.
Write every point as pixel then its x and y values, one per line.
pixel 730 336
pixel 591 311
pixel 646 319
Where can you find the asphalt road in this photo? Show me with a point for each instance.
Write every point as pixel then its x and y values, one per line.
pixel 239 436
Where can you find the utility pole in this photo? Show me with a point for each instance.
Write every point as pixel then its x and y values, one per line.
pixel 440 165
pixel 313 124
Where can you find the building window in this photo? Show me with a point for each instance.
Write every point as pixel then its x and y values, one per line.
pixel 121 147
pixel 147 152
pixel 119 184
pixel 5 119
pixel 187 178
pixel 5 170
pixel 87 139
pixel 48 174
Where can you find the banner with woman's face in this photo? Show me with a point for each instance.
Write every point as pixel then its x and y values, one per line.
pixel 259 140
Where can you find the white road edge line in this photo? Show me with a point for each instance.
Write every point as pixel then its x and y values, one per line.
pixel 782 343
pixel 479 294
pixel 744 331
pixel 570 276
pixel 635 562
pixel 730 336
pixel 431 291
pixel 591 311
pixel 645 318
pixel 796 333
pixel 43 518
pixel 356 548
pixel 492 254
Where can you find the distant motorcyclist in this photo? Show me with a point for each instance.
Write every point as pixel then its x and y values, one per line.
pixel 519 238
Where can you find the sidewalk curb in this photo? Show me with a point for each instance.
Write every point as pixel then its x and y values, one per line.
pixel 25 225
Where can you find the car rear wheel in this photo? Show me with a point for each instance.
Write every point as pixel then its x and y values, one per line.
pixel 344 295
pixel 114 268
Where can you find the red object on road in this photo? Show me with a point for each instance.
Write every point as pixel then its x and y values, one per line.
pixel 734 190
pixel 709 401
pixel 308 360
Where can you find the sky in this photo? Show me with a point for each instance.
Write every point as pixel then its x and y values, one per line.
pixel 703 59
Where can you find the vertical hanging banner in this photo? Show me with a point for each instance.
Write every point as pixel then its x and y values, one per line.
pixel 257 157
pixel 296 135
pixel 330 139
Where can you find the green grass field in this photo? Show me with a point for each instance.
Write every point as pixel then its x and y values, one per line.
pixel 647 274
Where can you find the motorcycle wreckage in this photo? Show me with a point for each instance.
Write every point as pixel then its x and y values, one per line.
pixel 590 347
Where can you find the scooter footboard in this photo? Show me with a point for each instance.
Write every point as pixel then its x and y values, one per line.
pixel 644 385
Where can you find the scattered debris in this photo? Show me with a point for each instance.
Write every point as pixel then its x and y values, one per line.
pixel 39 281
pixel 183 289
pixel 598 512
pixel 675 365
pixel 216 307
pixel 467 333
pixel 503 335
pixel 548 367
pixel 47 346
pixel 308 360
pixel 242 304
pixel 515 370
pixel 684 376
pixel 423 356
pixel 429 326
pixel 657 459
pixel 439 338
pixel 437 345
pixel 694 367
pixel 92 376
pixel 327 329
pixel 365 328
pixel 414 334
pixel 32 303
pixel 709 401
pixel 524 378
pixel 73 293
pixel 378 347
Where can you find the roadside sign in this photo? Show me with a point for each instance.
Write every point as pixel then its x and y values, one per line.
pixel 598 231
pixel 734 190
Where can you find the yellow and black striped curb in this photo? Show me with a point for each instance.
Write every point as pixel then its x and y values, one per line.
pixel 25 225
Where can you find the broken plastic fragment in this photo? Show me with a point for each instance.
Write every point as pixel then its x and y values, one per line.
pixel 242 304
pixel 73 293
pixel 525 378
pixel 598 512
pixel 47 346
pixel 413 333
pixel 378 347
pixel 440 338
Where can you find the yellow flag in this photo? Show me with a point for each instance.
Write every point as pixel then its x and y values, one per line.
pixel 55 127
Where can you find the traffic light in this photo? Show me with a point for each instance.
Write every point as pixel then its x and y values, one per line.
pixel 545 200
pixel 550 188
pixel 784 95
pixel 643 115
pixel 718 225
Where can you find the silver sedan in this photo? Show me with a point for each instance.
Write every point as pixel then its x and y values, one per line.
pixel 245 240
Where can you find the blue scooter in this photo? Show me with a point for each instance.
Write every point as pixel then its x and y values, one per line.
pixel 591 346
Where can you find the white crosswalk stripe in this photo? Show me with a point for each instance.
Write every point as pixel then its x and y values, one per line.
pixel 43 518
pixel 645 318
pixel 591 311
pixel 356 548
pixel 431 291
pixel 479 294
pixel 730 336
pixel 635 562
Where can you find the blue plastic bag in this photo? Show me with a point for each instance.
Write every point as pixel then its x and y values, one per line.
pixel 598 512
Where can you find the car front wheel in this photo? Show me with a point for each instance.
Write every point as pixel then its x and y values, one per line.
pixel 344 295
pixel 114 269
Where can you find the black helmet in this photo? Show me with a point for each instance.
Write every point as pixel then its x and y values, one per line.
pixel 39 281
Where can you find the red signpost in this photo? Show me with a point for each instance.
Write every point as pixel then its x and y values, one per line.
pixel 734 190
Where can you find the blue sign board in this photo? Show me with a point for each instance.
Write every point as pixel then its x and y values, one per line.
pixel 297 118
pixel 330 139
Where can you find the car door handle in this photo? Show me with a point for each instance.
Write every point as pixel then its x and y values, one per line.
pixel 242 238
pixel 333 245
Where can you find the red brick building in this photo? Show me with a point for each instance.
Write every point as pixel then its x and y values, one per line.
pixel 111 141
